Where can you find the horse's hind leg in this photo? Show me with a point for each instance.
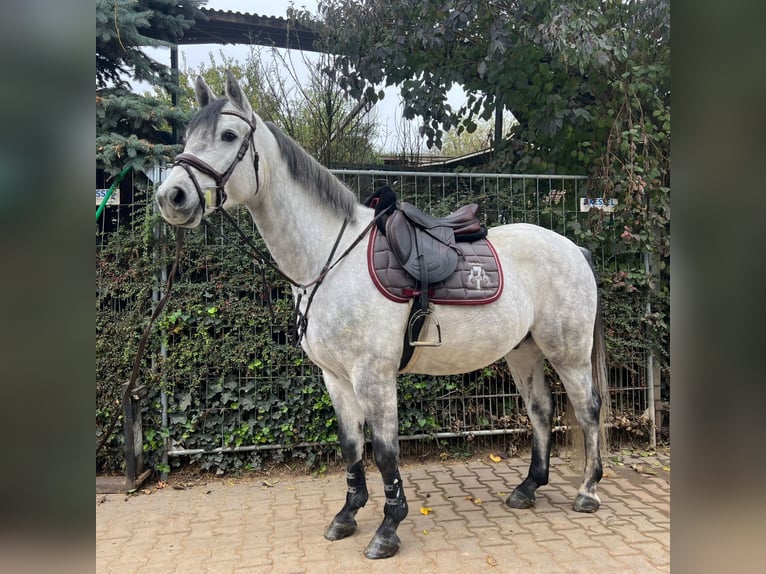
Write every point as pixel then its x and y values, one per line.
pixel 526 363
pixel 585 400
pixel 351 435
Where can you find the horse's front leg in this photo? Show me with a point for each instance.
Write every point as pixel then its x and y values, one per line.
pixel 381 408
pixel 386 542
pixel 351 435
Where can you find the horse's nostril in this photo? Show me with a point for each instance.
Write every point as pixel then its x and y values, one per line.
pixel 177 196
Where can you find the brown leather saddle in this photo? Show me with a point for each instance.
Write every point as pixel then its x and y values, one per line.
pixel 425 245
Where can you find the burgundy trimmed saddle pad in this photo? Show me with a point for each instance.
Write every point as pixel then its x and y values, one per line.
pixel 478 279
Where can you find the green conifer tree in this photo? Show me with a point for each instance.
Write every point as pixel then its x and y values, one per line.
pixel 134 129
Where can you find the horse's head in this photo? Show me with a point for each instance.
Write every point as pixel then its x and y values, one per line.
pixel 219 164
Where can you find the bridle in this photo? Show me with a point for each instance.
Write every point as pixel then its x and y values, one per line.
pixel 188 161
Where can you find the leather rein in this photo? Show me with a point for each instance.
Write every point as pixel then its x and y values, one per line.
pixel 189 161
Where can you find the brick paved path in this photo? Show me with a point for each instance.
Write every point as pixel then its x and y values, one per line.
pixel 246 526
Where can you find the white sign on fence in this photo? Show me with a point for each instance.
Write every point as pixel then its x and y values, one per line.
pixel 113 200
pixel 586 203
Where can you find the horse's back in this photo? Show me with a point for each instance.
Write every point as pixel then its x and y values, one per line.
pixel 541 254
pixel 528 241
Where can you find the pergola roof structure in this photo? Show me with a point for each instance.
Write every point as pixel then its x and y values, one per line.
pixel 227 27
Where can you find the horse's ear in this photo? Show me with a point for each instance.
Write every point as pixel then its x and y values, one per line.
pixel 234 92
pixel 204 94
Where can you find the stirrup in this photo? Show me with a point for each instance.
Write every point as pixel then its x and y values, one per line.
pixel 425 314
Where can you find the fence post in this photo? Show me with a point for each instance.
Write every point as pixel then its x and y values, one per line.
pixel 134 438
pixel 650 405
pixel 160 253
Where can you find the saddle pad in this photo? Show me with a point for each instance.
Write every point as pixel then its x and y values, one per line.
pixel 478 279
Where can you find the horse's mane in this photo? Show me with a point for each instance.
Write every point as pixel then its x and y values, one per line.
pixel 313 175
pixel 304 168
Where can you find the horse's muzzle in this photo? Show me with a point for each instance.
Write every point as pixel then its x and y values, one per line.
pixel 178 205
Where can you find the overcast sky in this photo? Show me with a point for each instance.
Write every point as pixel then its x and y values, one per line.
pixel 388 111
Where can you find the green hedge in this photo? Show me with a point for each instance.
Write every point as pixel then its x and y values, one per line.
pixel 231 374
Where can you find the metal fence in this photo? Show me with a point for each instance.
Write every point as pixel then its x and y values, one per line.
pixel 484 403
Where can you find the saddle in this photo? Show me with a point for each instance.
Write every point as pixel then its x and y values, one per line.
pixel 425 246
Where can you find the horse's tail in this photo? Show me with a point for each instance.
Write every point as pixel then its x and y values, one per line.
pixel 600 382
pixel 601 377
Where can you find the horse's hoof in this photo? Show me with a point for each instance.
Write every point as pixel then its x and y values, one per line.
pixel 339 530
pixel 585 504
pixel 518 499
pixel 382 548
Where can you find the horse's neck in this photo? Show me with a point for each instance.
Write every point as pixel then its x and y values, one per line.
pixel 298 232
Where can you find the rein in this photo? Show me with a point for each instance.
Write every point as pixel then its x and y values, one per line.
pixel 189 161
pixel 300 319
pixel 142 343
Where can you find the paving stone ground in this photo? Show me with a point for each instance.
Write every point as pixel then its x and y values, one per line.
pixel 276 526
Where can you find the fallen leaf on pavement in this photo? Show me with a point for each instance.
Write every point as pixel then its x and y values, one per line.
pixel 642 469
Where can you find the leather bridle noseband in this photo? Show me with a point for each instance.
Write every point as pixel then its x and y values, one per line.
pixel 188 161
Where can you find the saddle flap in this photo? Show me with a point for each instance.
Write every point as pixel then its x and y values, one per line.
pixel 433 248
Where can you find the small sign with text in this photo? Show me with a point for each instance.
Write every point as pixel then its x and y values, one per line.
pixel 113 200
pixel 587 203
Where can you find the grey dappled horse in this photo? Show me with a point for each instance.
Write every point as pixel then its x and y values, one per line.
pixel 548 309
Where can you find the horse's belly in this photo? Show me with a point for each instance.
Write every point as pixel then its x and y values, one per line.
pixel 472 338
pixel 448 361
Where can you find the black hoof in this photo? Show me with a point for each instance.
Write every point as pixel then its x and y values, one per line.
pixel 382 548
pixel 518 499
pixel 585 504
pixel 339 530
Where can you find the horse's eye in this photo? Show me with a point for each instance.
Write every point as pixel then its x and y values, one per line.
pixel 229 136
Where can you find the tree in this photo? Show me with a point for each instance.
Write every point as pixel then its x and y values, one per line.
pixel 305 104
pixel 133 129
pixel 587 80
pixel 458 142
pixel 544 61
